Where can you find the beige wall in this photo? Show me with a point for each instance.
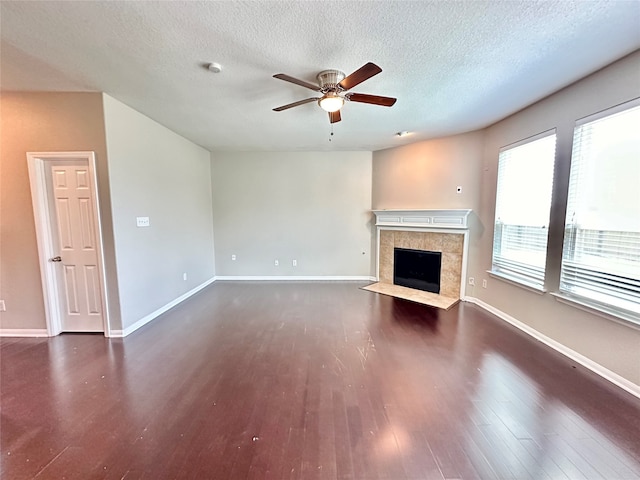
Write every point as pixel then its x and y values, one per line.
pixel 424 175
pixel 313 207
pixel 156 173
pixel 150 171
pixel 39 122
pixel 615 346
pixel 309 206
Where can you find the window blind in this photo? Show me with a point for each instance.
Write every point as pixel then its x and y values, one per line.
pixel 601 250
pixel 523 202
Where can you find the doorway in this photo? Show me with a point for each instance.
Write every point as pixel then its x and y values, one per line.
pixel 65 203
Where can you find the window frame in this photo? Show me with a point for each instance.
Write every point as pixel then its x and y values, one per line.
pixel 502 272
pixel 562 293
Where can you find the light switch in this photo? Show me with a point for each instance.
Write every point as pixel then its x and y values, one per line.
pixel 142 221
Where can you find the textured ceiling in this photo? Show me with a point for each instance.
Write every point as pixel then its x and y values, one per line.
pixel 454 66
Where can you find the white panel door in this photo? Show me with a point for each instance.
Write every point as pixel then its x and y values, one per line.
pixel 76 259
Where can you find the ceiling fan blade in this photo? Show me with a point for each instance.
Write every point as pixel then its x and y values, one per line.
pixel 372 99
pixel 365 72
pixel 295 104
pixel 297 81
pixel 335 117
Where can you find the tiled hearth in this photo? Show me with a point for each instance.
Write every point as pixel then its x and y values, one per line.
pixel 442 231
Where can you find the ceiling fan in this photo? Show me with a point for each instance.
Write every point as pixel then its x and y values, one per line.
pixel 334 86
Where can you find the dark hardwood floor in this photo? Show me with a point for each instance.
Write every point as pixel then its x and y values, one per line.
pixel 310 381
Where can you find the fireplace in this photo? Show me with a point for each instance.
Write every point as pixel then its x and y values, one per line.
pixel 417 269
pixel 443 232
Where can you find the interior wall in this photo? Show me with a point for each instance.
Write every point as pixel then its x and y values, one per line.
pixel 312 207
pixel 156 173
pixel 425 174
pixel 43 122
pixel 613 345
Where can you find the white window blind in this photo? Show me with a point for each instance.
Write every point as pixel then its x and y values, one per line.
pixel 601 251
pixel 523 202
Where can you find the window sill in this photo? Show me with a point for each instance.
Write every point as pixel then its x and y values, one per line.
pixel 518 283
pixel 617 316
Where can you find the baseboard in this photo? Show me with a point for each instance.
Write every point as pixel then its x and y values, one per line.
pixel 586 362
pixel 301 278
pixel 23 332
pixel 143 321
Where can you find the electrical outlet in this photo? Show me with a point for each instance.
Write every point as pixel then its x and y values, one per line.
pixel 294 263
pixel 184 276
pixel 276 263
pixel 484 283
pixel 142 221
pixel 233 257
pixel 472 281
pixel 3 307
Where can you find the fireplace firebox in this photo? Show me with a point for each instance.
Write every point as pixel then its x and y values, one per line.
pixel 417 269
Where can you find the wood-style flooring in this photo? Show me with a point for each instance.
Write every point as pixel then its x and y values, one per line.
pixel 282 380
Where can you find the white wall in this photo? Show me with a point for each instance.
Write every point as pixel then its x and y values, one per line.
pixel 313 207
pixel 155 172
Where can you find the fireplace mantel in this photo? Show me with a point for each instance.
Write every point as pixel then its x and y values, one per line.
pixel 423 218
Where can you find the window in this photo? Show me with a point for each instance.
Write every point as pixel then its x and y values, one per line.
pixel 601 251
pixel 523 202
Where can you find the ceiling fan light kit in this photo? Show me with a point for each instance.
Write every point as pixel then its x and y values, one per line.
pixel 334 86
pixel 331 102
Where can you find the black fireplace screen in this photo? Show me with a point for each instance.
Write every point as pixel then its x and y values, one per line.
pixel 418 269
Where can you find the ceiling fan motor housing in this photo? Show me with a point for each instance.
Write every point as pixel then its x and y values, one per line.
pixel 329 80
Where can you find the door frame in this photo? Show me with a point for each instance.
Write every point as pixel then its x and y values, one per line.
pixel 42 211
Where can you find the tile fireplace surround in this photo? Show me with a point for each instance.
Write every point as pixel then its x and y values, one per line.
pixel 442 231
